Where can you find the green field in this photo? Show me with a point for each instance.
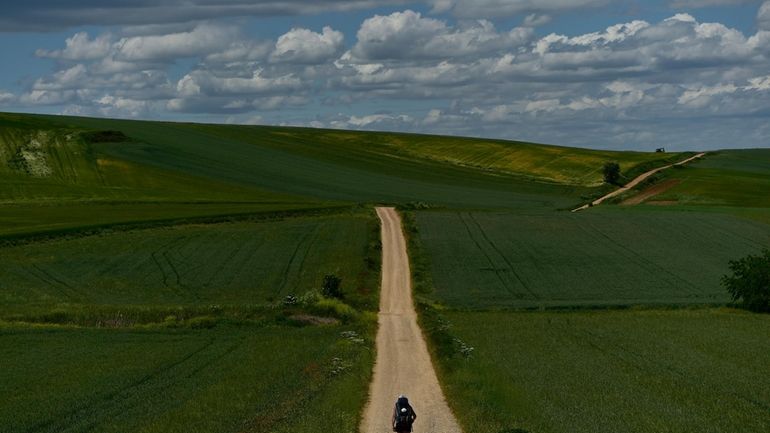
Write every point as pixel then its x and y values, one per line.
pixel 737 178
pixel 559 164
pixel 181 328
pixel 189 162
pixel 245 378
pixel 598 257
pixel 144 265
pixel 237 263
pixel 615 371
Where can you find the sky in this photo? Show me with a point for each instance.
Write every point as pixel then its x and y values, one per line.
pixel 623 74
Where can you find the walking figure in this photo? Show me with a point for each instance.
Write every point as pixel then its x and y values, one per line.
pixel 403 415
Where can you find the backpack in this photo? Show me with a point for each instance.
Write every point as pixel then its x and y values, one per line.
pixel 403 419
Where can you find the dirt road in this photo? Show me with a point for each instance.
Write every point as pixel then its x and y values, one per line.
pixel 635 182
pixel 403 364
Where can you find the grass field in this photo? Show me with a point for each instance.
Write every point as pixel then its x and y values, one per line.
pixel 738 178
pixel 559 164
pixel 615 371
pixel 235 263
pixel 181 328
pixel 142 280
pixel 315 164
pixel 227 379
pixel 598 257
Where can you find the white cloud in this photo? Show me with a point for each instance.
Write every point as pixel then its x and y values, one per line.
pixel 202 82
pixel 70 78
pixel 759 83
pixel 763 16
pixel 408 35
pixel 701 97
pixel 480 80
pixel 372 121
pixel 6 97
pixel 202 40
pixel 536 20
pixel 307 47
pixel 80 47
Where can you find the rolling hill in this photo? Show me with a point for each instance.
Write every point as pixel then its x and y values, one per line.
pixel 159 276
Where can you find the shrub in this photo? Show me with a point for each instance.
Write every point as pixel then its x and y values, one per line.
pixel 105 137
pixel 334 308
pixel 750 281
pixel 611 172
pixel 331 287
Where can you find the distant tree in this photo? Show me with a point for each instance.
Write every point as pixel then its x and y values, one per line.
pixel 611 172
pixel 750 281
pixel 331 286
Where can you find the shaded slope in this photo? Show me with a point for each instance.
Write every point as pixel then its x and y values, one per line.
pixel 241 161
pixel 271 159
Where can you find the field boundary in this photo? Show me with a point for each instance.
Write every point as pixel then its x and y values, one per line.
pixel 96 229
pixel 636 182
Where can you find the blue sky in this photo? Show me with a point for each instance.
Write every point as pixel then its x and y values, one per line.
pixel 684 74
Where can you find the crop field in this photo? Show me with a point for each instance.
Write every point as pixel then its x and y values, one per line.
pixel 611 371
pixel 349 166
pixel 599 257
pixel 181 328
pixel 555 163
pixel 738 178
pixel 246 378
pixel 232 263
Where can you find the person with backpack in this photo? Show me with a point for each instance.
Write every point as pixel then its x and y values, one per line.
pixel 403 415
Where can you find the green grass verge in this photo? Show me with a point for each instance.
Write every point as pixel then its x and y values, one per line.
pixel 619 371
pixel 599 258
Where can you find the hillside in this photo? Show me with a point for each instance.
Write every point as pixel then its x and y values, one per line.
pixel 165 277
pixel 52 158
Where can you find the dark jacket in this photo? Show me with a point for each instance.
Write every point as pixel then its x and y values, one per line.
pixel 410 413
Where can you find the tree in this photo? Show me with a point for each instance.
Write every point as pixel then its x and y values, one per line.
pixel 750 281
pixel 331 286
pixel 611 172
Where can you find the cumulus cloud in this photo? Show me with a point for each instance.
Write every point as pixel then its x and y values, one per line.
pixel 625 73
pixel 6 97
pixel 202 40
pixel 204 82
pixel 81 47
pixel 409 35
pixel 624 85
pixel 763 16
pixel 307 47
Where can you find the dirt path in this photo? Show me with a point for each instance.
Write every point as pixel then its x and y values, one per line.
pixel 635 182
pixel 648 193
pixel 403 364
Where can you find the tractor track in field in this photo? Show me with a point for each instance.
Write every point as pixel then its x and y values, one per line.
pixel 403 364
pixel 505 259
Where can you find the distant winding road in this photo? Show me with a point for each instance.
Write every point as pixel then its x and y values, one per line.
pixel 635 182
pixel 403 364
